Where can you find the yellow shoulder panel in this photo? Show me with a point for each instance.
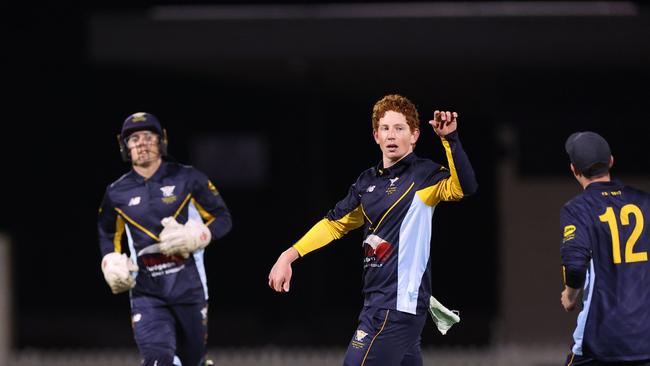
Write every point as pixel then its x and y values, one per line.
pixel 325 231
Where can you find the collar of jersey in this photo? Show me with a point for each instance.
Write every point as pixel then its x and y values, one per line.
pixel 600 185
pixel 156 177
pixel 396 168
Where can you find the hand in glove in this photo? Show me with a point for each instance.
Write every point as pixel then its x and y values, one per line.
pixel 178 239
pixel 117 270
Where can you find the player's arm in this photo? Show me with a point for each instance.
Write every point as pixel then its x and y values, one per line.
pixel 115 265
pixel 195 234
pixel 332 227
pixel 345 216
pixel 570 298
pixel 460 180
pixel 575 253
pixel 281 272
pixel 211 206
pixel 110 227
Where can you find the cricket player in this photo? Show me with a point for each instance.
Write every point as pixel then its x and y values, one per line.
pixel 394 202
pixel 163 214
pixel 604 252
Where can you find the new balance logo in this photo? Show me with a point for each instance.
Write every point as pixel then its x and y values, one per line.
pixel 134 201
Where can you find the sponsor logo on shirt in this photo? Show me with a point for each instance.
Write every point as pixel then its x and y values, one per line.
pixel 377 251
pixel 370 189
pixel 569 233
pixel 160 265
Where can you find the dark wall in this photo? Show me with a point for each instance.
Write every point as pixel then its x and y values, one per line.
pixel 306 89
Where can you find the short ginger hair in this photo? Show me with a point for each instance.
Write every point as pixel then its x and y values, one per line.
pixel 395 103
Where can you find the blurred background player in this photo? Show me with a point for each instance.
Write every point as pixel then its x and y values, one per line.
pixel 394 201
pixel 605 257
pixel 168 213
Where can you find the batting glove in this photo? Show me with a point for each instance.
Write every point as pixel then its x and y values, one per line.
pixel 117 270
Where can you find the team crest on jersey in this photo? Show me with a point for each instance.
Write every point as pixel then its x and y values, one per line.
pixel 392 188
pixel 134 201
pixel 168 194
pixel 569 233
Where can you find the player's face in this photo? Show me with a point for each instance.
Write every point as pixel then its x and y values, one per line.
pixel 394 137
pixel 143 147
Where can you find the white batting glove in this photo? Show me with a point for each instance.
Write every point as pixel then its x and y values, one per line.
pixel 117 270
pixel 178 239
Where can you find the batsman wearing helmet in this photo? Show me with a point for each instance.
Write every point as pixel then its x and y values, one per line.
pixel 394 202
pixel 163 214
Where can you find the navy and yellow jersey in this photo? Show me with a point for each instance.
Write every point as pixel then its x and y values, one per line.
pixel 605 247
pixel 395 206
pixel 130 217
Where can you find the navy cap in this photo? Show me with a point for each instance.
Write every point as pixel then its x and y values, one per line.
pixel 140 121
pixel 586 149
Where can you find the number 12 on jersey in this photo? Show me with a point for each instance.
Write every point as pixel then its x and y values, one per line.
pixel 610 218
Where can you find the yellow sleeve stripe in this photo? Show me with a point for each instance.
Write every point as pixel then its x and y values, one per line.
pixel 351 221
pixel 429 195
pixel 325 231
pixel 119 231
pixel 391 207
pixel 205 215
pixel 454 183
pixel 132 222
pixel 441 191
pixel 180 208
pixel 564 275
pixel 447 189
pixel 444 190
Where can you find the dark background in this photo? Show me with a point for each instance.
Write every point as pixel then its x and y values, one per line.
pixel 301 89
